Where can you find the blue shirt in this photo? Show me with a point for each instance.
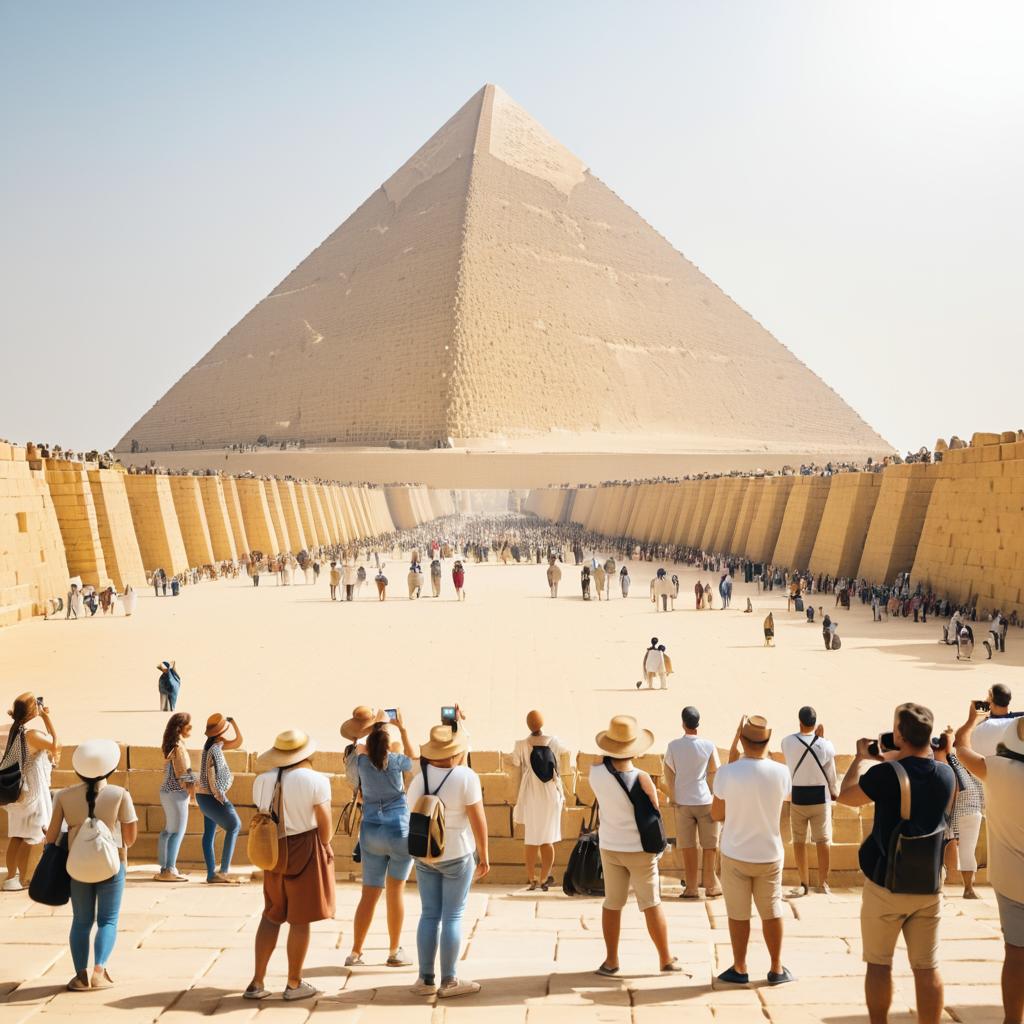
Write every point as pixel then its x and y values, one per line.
pixel 383 791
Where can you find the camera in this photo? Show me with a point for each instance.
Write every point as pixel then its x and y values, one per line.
pixel 885 743
pixel 940 742
pixel 982 705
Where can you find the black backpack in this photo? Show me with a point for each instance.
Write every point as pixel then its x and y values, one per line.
pixel 584 875
pixel 914 863
pixel 544 763
pixel 11 778
pixel 647 816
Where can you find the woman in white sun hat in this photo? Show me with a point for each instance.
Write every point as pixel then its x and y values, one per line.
pixel 98 902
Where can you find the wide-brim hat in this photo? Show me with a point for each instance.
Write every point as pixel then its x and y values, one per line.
pixel 217 725
pixel 290 747
pixel 362 721
pixel 755 729
pixel 95 759
pixel 444 742
pixel 1011 739
pixel 624 738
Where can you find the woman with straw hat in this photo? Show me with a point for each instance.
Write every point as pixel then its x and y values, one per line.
pixel 623 860
pixel 215 780
pixel 300 888
pixel 100 902
pixel 444 883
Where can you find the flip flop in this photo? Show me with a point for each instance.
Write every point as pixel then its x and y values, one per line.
pixel 689 895
pixel 712 895
pixel 607 972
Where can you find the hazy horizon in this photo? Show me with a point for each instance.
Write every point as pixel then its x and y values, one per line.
pixel 848 175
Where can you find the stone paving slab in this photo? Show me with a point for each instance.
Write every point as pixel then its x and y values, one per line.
pixel 185 952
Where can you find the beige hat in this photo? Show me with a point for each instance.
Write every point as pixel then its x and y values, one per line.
pixel 217 725
pixel 95 759
pixel 290 747
pixel 755 729
pixel 624 738
pixel 444 742
pixel 1012 740
pixel 362 721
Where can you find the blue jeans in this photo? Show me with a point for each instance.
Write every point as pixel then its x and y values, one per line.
pixel 216 813
pixel 384 842
pixel 175 819
pixel 444 889
pixel 96 903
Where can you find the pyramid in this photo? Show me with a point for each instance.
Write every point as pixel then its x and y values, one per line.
pixel 492 288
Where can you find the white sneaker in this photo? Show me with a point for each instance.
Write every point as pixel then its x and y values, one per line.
pixel 421 988
pixel 455 987
pixel 12 884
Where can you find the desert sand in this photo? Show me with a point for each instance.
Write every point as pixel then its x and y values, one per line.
pixel 280 656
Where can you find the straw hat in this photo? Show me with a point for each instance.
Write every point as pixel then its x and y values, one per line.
pixel 290 747
pixel 1012 740
pixel 755 729
pixel 443 743
pixel 362 721
pixel 624 738
pixel 95 759
pixel 217 725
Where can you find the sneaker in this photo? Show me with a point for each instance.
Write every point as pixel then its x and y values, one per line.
pixel 354 960
pixel 823 890
pixel 421 988
pixel 455 987
pixel 12 885
pixel 398 959
pixel 303 991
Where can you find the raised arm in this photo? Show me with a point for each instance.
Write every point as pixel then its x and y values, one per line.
pixel 237 740
pixel 850 793
pixel 969 758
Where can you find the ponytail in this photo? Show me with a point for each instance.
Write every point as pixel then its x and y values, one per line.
pixel 19 714
pixel 92 791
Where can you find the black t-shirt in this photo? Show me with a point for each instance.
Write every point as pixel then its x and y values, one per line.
pixel 931 785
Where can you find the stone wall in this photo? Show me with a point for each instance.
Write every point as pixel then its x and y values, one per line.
pixel 848 511
pixel 117 531
pixel 218 520
pixel 195 530
pixel 800 521
pixel 156 523
pixel 895 531
pixel 33 566
pixel 76 515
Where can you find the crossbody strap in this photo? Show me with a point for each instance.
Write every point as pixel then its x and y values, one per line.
pixel 426 788
pixel 904 780
pixel 808 750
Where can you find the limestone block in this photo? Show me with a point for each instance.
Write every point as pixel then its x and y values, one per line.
pixel 76 517
pixel 218 519
pixel 800 521
pixel 259 528
pixel 156 523
pixel 195 530
pixel 116 530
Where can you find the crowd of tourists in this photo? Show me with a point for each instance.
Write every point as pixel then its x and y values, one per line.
pixel 420 807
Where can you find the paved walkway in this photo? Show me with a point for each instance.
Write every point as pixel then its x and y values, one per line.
pixel 186 951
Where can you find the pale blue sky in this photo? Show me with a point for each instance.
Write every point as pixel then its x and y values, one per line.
pixel 849 172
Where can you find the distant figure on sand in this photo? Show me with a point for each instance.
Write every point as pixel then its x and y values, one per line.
pixel 435 577
pixel 769 630
pixel 128 599
pixel 698 593
pixel 554 575
pixel 624 581
pixel 459 581
pixel 169 685
pixel 656 663
pixel 415 579
pixel 749 607
pixel 585 582
pixel 599 578
pixel 382 584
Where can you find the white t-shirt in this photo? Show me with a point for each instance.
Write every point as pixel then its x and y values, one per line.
pixel 688 758
pixel 989 734
pixel 302 790
pixel 754 789
pixel 654 661
pixel 1003 782
pixel 460 790
pixel 794 747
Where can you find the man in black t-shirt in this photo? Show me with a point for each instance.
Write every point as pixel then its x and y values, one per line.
pixel 884 914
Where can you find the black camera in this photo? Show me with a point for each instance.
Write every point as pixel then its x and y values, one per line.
pixel 885 743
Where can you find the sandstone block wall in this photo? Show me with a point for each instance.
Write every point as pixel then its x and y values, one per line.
pixel 117 531
pixel 848 511
pixel 256 515
pixel 292 516
pixel 76 515
pixel 305 503
pixel 895 531
pixel 745 514
pixel 276 508
pixel 215 505
pixel 767 520
pixel 234 505
pixel 801 520
pixel 195 530
pixel 156 523
pixel 33 566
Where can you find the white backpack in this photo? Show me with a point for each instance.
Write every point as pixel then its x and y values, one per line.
pixel 93 856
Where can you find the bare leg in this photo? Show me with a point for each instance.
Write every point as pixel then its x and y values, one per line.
pixel 298 946
pixel 1013 985
pixel 658 931
pixel 772 929
pixel 800 856
pixel 712 885
pixel 530 860
pixel 13 853
pixel 364 917
pixel 824 862
pixel 739 936
pixel 690 870
pixel 928 986
pixel 547 860
pixel 395 899
pixel 611 925
pixel 878 992
pixel 266 942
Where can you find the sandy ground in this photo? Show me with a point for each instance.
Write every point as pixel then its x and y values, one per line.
pixel 276 657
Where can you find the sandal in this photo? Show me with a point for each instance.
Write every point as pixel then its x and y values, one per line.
pixel 77 985
pixel 712 895
pixel 547 883
pixel 607 972
pixel 687 895
pixel 101 979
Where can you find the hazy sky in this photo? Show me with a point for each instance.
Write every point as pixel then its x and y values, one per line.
pixel 849 172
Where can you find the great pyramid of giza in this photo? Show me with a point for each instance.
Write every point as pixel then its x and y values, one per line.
pixel 492 288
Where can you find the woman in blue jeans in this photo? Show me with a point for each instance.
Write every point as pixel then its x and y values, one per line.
pixel 444 884
pixel 176 793
pixel 215 780
pixel 95 903
pixel 378 768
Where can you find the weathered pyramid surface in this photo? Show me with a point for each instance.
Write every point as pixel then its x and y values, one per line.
pixel 493 288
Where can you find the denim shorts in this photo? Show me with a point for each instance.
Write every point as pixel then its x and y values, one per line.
pixel 385 850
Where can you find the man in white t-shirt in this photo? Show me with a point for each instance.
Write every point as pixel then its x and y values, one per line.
pixel 307 895
pixel 690 766
pixel 989 731
pixel 811 760
pixel 749 793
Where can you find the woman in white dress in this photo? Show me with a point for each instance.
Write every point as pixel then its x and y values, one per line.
pixel 539 805
pixel 128 599
pixel 33 741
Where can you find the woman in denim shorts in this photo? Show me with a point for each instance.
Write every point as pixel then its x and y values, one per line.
pixel 382 764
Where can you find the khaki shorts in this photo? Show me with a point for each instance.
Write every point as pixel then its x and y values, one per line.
pixel 693 820
pixel 884 915
pixel 622 870
pixel 817 816
pixel 1011 917
pixel 743 881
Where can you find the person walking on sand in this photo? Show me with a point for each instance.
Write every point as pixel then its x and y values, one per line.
pixel 541 798
pixel 624 581
pixel 459 581
pixel 300 888
pixel 655 663
pixel 554 575
pixel 769 630
pixel 168 685
pixel 698 592
pixel 598 575
pixel 382 584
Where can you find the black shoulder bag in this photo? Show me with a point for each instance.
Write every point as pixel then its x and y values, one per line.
pixel 648 818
